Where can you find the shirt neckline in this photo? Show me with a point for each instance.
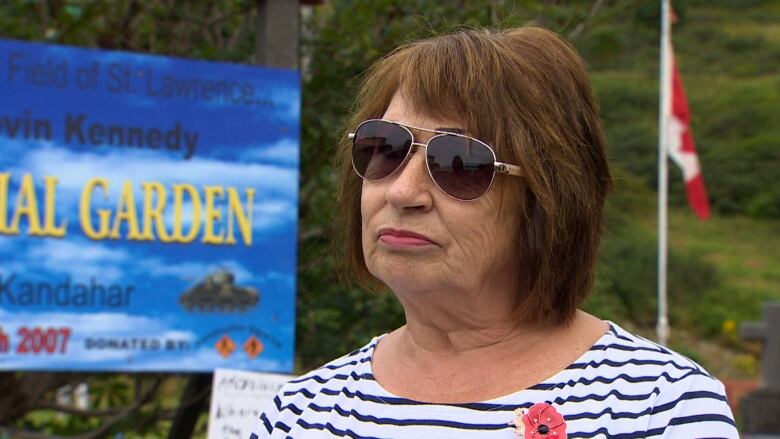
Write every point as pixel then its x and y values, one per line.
pixel 504 400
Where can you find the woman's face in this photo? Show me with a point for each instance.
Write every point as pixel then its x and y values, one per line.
pixel 417 239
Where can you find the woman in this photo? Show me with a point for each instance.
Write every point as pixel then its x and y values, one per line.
pixel 473 182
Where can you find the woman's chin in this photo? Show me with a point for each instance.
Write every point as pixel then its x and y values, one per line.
pixel 404 279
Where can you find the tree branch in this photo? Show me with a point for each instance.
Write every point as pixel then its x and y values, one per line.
pixel 594 9
pixel 104 428
pixel 249 15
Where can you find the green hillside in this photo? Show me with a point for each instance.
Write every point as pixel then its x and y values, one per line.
pixel 720 270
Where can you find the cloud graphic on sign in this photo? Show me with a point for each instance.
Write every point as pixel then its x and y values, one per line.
pixel 149 166
pixel 276 277
pixel 290 100
pixel 80 258
pixel 284 151
pixel 6 243
pixel 14 148
pixel 9 249
pixel 191 270
pixel 274 213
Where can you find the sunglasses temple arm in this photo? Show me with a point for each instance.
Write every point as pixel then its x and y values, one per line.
pixel 505 168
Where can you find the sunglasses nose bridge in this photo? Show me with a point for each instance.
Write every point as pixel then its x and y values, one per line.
pixel 411 185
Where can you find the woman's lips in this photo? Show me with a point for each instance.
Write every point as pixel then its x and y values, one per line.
pixel 403 238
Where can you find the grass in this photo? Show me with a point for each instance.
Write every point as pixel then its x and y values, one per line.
pixel 745 252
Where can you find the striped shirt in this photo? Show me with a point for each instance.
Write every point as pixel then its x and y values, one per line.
pixel 623 387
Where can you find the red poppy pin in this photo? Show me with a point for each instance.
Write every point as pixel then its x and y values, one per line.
pixel 541 421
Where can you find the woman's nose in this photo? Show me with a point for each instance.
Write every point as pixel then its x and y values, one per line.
pixel 410 187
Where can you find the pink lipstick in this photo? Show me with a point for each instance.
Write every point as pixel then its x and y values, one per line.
pixel 403 238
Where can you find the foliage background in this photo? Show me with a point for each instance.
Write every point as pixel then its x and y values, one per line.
pixel 720 271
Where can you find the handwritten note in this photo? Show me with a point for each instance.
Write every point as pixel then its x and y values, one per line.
pixel 237 399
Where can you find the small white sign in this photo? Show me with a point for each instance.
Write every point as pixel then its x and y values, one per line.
pixel 237 399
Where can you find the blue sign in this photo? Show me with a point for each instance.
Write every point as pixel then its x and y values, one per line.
pixel 148 212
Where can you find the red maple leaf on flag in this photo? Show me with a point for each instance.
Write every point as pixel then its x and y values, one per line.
pixel 682 150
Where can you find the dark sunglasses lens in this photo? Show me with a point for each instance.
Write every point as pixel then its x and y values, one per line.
pixel 461 167
pixel 379 148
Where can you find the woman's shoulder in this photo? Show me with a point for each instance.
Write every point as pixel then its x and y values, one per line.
pixel 676 379
pixel 305 392
pixel 336 373
pixel 630 349
pixel 643 389
pixel 687 400
pixel 624 366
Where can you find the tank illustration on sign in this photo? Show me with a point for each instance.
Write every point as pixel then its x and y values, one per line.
pixel 218 292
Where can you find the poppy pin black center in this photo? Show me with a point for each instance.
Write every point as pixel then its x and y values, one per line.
pixel 543 429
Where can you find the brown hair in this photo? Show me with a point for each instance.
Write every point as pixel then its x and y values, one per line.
pixel 524 91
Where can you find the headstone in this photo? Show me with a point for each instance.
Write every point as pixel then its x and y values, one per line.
pixel 736 390
pixel 760 410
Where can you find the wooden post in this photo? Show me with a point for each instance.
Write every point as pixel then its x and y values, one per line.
pixel 276 33
pixel 192 403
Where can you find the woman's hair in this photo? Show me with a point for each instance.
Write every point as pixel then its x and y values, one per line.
pixel 524 91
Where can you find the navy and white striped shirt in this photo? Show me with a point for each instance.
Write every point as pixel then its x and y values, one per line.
pixel 623 387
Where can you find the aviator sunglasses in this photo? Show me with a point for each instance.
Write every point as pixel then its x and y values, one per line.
pixel 461 166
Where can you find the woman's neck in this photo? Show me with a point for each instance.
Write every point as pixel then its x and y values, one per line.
pixel 429 363
pixel 457 336
pixel 453 321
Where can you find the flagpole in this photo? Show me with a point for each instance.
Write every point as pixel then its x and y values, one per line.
pixel 664 109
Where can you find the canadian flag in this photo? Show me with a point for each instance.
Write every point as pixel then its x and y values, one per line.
pixel 682 149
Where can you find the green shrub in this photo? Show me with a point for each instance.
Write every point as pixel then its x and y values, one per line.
pixel 626 285
pixel 742 176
